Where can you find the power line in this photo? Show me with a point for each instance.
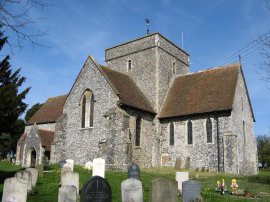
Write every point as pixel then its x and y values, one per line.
pixel 246 50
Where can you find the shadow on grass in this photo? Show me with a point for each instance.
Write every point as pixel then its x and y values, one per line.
pixel 259 179
pixel 6 174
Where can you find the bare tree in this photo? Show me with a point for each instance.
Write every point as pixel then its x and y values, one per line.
pixel 15 18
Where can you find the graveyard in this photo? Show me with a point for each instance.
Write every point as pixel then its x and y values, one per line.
pixel 152 180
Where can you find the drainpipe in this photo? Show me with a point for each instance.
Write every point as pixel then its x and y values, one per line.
pixel 218 143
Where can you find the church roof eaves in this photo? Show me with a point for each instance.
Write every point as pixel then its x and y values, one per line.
pixel 202 92
pixel 50 111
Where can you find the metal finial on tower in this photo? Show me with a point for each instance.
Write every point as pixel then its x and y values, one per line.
pixel 147 25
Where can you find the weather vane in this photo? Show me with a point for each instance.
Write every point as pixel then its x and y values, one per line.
pixel 147 25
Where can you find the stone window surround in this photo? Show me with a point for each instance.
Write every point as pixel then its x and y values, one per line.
pixel 88 94
pixel 205 126
pixel 129 65
pixel 136 132
pixel 187 135
pixel 171 124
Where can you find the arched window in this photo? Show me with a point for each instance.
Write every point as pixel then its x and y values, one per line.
pixel 129 65
pixel 138 131
pixel 173 68
pixel 209 130
pixel 189 130
pixel 87 109
pixel 171 134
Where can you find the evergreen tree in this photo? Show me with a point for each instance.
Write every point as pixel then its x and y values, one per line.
pixel 32 111
pixel 11 100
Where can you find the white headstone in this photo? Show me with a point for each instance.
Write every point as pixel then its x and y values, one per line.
pixel 69 165
pixel 88 165
pixel 34 173
pixel 99 167
pixel 67 194
pixel 180 178
pixel 70 179
pixel 131 190
pixel 26 176
pixel 71 162
pixel 14 190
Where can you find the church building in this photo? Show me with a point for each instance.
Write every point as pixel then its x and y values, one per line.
pixel 146 107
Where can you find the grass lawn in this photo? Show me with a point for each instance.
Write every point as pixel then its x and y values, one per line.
pixel 47 186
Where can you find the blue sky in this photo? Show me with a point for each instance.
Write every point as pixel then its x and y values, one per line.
pixel 213 30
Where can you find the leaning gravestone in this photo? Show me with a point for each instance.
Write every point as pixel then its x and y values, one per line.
pixel 34 173
pixel 15 189
pixel 131 190
pixel 163 190
pixel 180 178
pixel 96 189
pixel 134 171
pixel 27 176
pixel 191 191
pixel 99 167
pixel 67 194
pixel 70 178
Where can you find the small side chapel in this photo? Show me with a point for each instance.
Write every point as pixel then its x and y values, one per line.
pixel 145 107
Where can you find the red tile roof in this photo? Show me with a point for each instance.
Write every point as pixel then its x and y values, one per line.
pixel 46 138
pixel 202 92
pixel 127 90
pixel 50 111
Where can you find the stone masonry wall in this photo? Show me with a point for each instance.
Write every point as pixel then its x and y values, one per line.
pixel 241 113
pixel 201 153
pixel 82 144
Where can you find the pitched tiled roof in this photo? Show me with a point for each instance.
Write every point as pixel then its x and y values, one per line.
pixel 206 91
pixel 127 90
pixel 50 111
pixel 46 138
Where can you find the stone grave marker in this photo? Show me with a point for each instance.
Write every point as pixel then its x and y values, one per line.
pixel 180 178
pixel 131 190
pixel 26 176
pixel 88 165
pixel 34 173
pixel 163 190
pixel 96 189
pixel 70 178
pixel 134 171
pixel 191 191
pixel 69 165
pixel 40 168
pixel 178 163
pixel 61 163
pixel 67 194
pixel 71 162
pixel 15 189
pixel 99 167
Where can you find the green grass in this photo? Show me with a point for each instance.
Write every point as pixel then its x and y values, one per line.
pixel 47 186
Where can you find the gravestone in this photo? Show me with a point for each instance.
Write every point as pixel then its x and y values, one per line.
pixel 191 191
pixel 96 189
pixel 134 171
pixel 15 189
pixel 70 178
pixel 34 173
pixel 163 190
pixel 131 190
pixel 71 162
pixel 187 165
pixel 61 163
pixel 40 168
pixel 68 165
pixel 180 178
pixel 178 163
pixel 67 194
pixel 99 167
pixel 26 176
